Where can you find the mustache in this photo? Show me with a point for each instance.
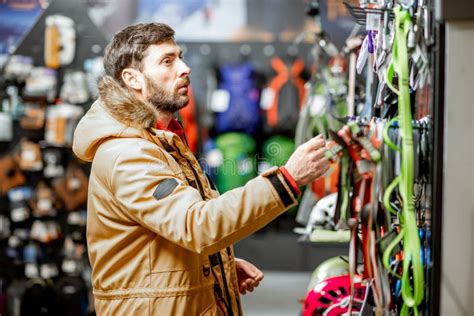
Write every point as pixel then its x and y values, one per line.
pixel 185 82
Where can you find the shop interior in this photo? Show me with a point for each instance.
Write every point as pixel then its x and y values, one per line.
pixel 386 231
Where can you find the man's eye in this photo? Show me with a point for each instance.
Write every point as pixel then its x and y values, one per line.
pixel 166 61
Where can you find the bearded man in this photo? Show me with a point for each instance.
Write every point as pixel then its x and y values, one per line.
pixel 159 235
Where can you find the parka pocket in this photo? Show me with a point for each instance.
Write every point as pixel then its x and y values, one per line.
pixel 166 256
pixel 211 310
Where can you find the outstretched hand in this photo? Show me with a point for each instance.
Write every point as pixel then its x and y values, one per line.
pixel 248 276
pixel 308 162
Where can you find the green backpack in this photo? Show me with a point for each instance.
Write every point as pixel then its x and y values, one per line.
pixel 277 149
pixel 238 166
pixel 276 152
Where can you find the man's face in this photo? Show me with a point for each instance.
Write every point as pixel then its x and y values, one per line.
pixel 166 76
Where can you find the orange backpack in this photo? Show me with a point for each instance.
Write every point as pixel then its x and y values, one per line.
pixel 288 94
pixel 188 117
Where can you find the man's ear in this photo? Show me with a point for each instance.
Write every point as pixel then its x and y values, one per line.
pixel 133 79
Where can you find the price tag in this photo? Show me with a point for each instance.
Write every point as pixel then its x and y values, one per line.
pixel 16 195
pixel 267 98
pixel 31 270
pixel 363 56
pixel 69 289
pixel 69 266
pixel 73 183
pixel 45 205
pixel 39 231
pixel 220 100
pixel 317 105
pixel 74 218
pixel 14 241
pixel 244 166
pixel 51 171
pixel 373 21
pixel 19 214
pixel 215 158
pixel 6 127
pixel 48 271
pixel 28 155
pixel 4 227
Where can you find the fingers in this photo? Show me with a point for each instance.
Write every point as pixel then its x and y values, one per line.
pixel 248 286
pixel 319 154
pixel 315 143
pixel 249 276
pixel 308 162
pixel 251 270
pixel 325 165
pixel 255 273
pixel 320 159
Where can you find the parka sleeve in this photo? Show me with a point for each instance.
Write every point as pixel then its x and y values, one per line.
pixel 153 196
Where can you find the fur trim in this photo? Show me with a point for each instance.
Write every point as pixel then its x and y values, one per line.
pixel 124 106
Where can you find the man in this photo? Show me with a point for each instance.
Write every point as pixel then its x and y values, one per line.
pixel 159 236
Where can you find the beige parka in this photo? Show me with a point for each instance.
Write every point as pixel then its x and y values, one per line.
pixel 158 235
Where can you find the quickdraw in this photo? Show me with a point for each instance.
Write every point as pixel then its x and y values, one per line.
pixel 360 154
pixel 412 285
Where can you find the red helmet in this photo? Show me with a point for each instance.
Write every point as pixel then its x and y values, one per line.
pixel 331 297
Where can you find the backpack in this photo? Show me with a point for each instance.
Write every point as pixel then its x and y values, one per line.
pixel 276 152
pixel 39 298
pixel 72 187
pixel 10 174
pixel 277 149
pixel 288 94
pixel 238 163
pixel 190 126
pixel 72 296
pixel 243 111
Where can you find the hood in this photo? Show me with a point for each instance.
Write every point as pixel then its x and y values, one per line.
pixel 117 113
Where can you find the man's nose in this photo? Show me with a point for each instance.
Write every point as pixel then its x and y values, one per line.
pixel 183 69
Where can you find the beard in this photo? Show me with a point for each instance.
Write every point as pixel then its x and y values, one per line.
pixel 164 100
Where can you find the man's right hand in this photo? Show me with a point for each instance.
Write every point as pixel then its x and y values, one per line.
pixel 308 162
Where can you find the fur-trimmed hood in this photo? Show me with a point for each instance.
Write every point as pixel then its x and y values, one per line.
pixel 117 113
pixel 124 106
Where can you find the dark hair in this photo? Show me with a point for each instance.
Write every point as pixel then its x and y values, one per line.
pixel 128 46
